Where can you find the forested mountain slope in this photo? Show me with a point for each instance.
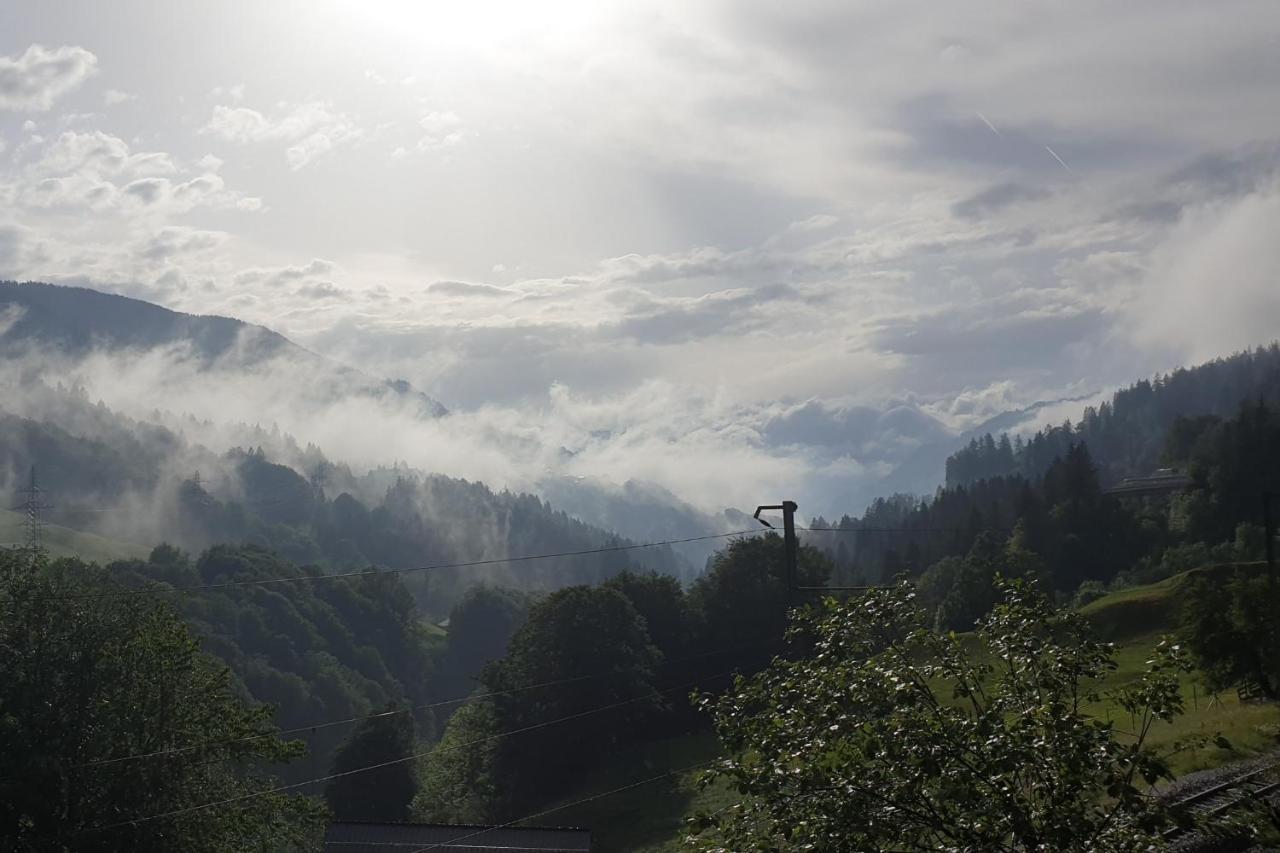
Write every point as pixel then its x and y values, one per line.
pixel 145 471
pixel 142 481
pixel 317 650
pixel 47 326
pixel 1126 435
pixel 1041 506
pixel 76 320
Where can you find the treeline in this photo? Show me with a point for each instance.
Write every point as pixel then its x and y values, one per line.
pixel 118 733
pixel 316 649
pixel 420 520
pixel 1064 517
pixel 1126 435
pixel 618 663
pixel 129 694
pixel 148 481
pixel 561 680
pixel 1063 527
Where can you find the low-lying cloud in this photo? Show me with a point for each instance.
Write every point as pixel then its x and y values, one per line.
pixel 1215 281
pixel 713 452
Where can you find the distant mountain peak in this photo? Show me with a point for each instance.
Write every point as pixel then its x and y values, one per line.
pixel 77 321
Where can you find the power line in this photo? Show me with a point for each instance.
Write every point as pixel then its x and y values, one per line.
pixel 792 547
pixel 453 841
pixel 905 529
pixel 279 789
pixel 399 711
pixel 156 590
pixel 959 530
pixel 329 724
pixel 405 845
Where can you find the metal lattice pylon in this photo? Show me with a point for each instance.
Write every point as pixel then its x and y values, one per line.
pixel 33 507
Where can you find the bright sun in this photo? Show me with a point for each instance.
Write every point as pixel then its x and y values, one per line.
pixel 475 24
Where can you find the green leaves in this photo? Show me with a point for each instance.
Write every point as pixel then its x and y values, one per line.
pixel 594 639
pixel 377 795
pixel 890 736
pixel 89 681
pixel 1232 630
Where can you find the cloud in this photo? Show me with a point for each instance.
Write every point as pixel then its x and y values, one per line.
pixel 466 289
pixel 148 190
pixel 234 94
pixel 974 405
pixel 817 222
pixel 113 97
pixel 870 433
pixel 321 290
pixel 241 124
pixel 97 171
pixel 178 240
pixel 1027 335
pixel 443 130
pixel 39 76
pixel 307 149
pixel 938 135
pixel 311 129
pixel 12 313
pixel 12 240
pixel 704 262
pixel 847 208
pixel 730 312
pixel 1211 287
pixel 316 266
pixel 997 198
pixel 97 212
pixel 101 154
pixel 286 274
pixel 1225 173
pixel 985 329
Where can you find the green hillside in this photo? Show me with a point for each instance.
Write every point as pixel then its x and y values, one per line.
pixel 65 542
pixel 1152 608
pixel 651 817
pixel 1135 619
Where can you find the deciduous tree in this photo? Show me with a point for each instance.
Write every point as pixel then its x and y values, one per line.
pixel 891 736
pixel 93 677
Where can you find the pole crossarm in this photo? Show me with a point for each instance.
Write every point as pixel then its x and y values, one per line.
pixel 792 545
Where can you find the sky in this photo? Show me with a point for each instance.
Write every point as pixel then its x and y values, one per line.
pixel 725 247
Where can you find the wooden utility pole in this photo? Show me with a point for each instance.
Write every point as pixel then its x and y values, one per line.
pixel 791 545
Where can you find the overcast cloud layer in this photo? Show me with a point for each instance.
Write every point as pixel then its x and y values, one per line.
pixel 724 246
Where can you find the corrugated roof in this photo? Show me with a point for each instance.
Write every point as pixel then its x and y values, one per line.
pixel 362 837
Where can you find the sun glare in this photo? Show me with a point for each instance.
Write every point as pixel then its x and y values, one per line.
pixel 474 24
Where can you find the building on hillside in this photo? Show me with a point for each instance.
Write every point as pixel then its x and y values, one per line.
pixel 1164 481
pixel 370 837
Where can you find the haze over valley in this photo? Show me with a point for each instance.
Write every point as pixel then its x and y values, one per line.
pixel 879 252
pixel 639 425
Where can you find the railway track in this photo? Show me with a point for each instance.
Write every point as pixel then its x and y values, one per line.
pixel 1221 797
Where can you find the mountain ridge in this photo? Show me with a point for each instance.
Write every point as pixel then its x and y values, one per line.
pixel 76 321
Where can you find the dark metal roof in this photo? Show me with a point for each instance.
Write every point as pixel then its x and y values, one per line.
pixel 362 837
pixel 1162 482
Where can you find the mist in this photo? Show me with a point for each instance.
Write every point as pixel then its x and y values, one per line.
pixel 711 452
